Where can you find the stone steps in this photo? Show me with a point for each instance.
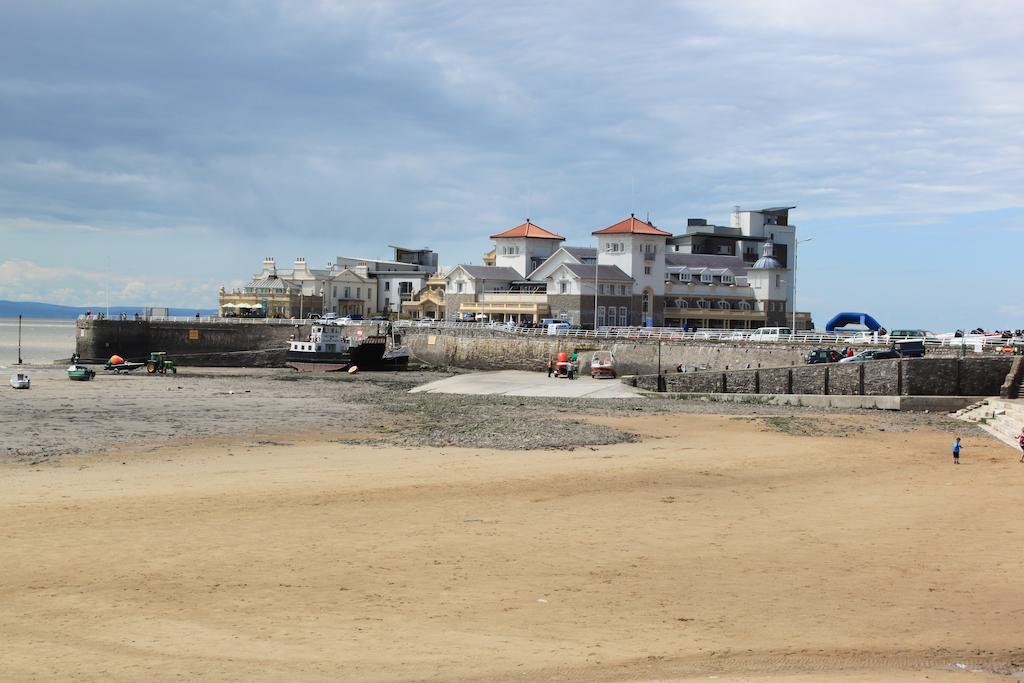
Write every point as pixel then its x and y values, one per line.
pixel 1001 418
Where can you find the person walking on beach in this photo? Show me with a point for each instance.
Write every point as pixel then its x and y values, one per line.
pixel 956 451
pixel 1020 442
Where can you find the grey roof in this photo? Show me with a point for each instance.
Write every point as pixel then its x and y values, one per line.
pixel 586 271
pixel 582 252
pixel 269 283
pixel 491 272
pixel 733 263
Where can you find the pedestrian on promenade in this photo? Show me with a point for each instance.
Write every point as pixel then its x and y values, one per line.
pixel 956 451
pixel 551 367
pixel 1020 442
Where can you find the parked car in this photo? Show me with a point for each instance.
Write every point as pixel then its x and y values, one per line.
pixel 770 333
pixel 822 356
pixel 871 354
pixel 345 320
pixel 913 348
pixel 378 318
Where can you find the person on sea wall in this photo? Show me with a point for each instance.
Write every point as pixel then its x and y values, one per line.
pixel 956 450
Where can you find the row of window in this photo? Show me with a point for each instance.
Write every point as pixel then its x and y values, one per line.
pixel 509 251
pixel 611 315
pixel 620 247
pixel 721 304
pixel 706 277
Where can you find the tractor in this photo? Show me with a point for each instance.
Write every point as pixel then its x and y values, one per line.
pixel 158 363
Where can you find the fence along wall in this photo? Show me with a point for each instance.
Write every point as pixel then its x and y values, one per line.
pixel 903 377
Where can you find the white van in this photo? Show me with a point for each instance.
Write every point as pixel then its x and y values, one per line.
pixel 770 333
pixel 559 326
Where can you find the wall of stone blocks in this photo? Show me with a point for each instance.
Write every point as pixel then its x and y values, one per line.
pixel 741 382
pixel 844 379
pixel 810 379
pixel 775 381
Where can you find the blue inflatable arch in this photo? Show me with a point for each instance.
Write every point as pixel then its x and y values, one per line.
pixel 848 318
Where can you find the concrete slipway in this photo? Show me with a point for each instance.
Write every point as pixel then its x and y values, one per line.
pixel 522 383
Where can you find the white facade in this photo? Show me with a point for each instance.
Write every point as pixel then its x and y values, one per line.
pixel 523 254
pixel 642 257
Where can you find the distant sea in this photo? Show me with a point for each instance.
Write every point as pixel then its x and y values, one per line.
pixel 42 341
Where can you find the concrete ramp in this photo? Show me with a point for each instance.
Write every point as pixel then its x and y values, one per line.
pixel 522 383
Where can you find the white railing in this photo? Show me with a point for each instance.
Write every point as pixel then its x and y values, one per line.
pixel 971 342
pixel 856 339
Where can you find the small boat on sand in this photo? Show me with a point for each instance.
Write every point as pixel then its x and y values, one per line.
pixel 80 373
pixel 20 380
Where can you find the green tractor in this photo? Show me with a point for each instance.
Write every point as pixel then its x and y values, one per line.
pixel 158 363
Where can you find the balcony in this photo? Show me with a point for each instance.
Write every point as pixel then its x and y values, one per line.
pixel 513 297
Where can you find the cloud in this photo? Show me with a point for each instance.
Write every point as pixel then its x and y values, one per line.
pixel 335 127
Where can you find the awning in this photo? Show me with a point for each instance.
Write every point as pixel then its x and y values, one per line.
pixel 229 305
pixel 256 306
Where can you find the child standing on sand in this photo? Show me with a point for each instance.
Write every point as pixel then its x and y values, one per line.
pixel 956 451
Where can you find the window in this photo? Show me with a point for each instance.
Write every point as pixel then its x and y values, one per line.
pixel 743 305
pixel 623 317
pixel 684 277
pixel 458 287
pixel 622 290
pixel 647 270
pixel 563 287
pixel 724 305
pixel 387 303
pixel 683 303
pixel 612 320
pixel 703 303
pixel 600 316
pixel 622 246
pixel 335 295
pixel 646 303
pixel 706 277
pixel 348 293
pixel 728 279
pixel 387 286
pixel 359 292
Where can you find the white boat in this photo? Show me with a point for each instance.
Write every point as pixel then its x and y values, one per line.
pixel 20 380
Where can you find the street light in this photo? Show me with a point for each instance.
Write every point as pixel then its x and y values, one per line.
pixel 798 242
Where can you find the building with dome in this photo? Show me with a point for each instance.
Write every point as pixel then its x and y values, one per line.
pixel 727 277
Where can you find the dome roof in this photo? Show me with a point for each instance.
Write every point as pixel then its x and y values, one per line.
pixel 766 263
pixel 767 260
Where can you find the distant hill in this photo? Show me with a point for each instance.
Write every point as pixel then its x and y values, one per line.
pixel 38 310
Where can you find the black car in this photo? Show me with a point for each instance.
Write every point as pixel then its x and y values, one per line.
pixel 822 356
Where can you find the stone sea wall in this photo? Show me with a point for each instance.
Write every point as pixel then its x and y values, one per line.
pixel 902 377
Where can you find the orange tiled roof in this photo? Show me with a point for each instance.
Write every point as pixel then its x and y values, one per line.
pixel 528 229
pixel 632 225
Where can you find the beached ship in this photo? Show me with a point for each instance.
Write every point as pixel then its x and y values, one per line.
pixel 20 380
pixel 328 350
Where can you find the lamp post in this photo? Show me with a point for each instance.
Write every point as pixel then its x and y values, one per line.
pixel 798 242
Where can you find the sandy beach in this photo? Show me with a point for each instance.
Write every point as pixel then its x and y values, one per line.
pixel 235 525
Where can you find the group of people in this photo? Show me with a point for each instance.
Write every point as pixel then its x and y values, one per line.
pixel 957 445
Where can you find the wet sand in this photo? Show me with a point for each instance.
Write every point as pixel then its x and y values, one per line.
pixel 795 547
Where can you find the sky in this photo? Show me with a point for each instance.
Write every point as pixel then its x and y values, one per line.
pixel 152 152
